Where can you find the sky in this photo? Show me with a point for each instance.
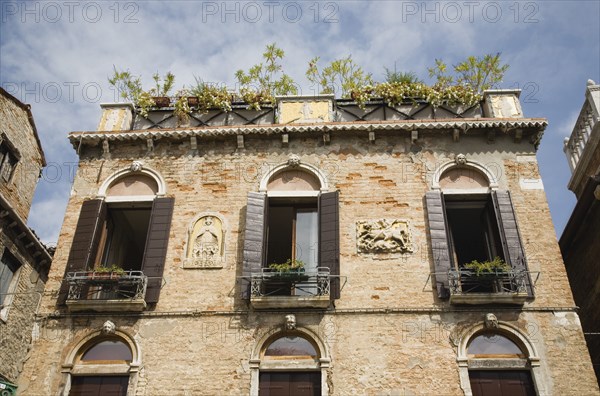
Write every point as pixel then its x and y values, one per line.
pixel 58 55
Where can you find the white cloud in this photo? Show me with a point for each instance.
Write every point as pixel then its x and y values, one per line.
pixel 189 38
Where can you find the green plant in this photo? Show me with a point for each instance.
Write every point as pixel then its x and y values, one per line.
pixel 211 96
pixel 128 87
pixel 342 73
pixel 488 267
pixel 401 77
pixel 477 73
pixel 181 107
pixel 289 266
pixel 115 269
pixel 265 80
pixel 163 86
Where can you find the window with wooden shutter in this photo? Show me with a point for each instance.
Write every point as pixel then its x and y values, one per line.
pixel 468 232
pixel 85 241
pixel 290 229
pixel 157 242
pixel 118 253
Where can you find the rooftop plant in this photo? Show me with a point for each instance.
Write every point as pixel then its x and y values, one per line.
pixel 462 84
pixel 264 80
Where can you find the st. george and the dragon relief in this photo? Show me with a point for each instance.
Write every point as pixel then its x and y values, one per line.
pixel 383 236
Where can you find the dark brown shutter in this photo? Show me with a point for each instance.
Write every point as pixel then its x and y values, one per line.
pixel 157 241
pixel 254 240
pixel 440 241
pixel 329 238
pixel 85 241
pixel 509 233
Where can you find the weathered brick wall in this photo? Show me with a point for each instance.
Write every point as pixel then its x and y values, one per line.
pixel 19 309
pixel 15 124
pixel 372 353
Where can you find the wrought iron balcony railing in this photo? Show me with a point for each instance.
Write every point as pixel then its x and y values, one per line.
pixel 302 284
pixel 464 282
pixel 91 285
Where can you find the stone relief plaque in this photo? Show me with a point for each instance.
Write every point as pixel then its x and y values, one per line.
pixel 205 247
pixel 383 236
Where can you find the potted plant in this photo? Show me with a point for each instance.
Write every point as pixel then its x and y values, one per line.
pixel 109 272
pixel 160 92
pixel 488 268
pixel 292 269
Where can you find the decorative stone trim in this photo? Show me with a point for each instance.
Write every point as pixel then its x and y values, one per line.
pixel 383 236
pixel 205 247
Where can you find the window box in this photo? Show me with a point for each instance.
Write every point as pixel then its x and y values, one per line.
pixel 106 291
pixel 466 287
pixel 294 289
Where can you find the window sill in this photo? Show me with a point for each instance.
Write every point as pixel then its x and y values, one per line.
pixel 106 305
pixel 275 302
pixel 489 298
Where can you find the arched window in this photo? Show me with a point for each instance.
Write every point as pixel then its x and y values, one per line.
pixel 496 358
pixel 499 366
pixel 124 232
pixel 101 366
pixel 289 363
pixel 473 226
pixel 292 219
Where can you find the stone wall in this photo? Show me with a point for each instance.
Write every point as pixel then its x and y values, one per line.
pixel 203 334
pixel 15 124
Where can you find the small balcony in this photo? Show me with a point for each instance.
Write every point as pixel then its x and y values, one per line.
pixel 502 287
pixel 106 291
pixel 273 289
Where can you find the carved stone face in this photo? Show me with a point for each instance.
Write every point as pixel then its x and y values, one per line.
pixel 293 161
pixel 136 166
pixel 108 327
pixel 491 322
pixel 290 322
pixel 461 159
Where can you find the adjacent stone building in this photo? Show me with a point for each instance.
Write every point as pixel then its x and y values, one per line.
pixel 162 281
pixel 580 241
pixel 24 260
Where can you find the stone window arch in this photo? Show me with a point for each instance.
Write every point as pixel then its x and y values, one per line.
pixel 289 358
pixel 102 363
pixel 135 183
pixel 466 174
pixel 495 356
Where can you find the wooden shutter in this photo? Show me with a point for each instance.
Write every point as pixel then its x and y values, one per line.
pixel 157 241
pixel 254 240
pixel 329 238
pixel 85 241
pixel 440 241
pixel 509 234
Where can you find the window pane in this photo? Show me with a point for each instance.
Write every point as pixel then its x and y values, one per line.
pixel 99 386
pixel 291 346
pixel 493 344
pixel 126 237
pixel 8 266
pixel 108 350
pixel 307 238
pixel 501 383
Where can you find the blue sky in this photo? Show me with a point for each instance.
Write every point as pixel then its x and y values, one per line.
pixel 57 56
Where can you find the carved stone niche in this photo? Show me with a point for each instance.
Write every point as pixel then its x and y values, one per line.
pixel 383 236
pixel 206 242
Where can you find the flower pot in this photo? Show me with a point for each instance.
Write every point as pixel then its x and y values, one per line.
pixel 161 101
pixel 193 101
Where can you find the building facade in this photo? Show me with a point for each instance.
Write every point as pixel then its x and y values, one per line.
pixel 580 241
pixel 24 260
pixel 311 248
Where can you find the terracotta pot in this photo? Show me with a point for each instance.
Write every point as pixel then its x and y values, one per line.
pixel 162 101
pixel 193 101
